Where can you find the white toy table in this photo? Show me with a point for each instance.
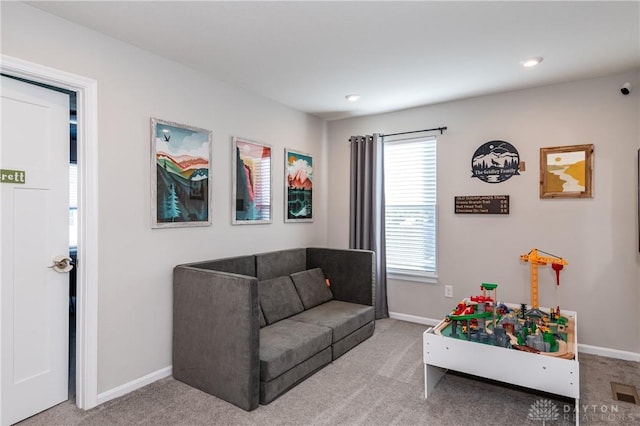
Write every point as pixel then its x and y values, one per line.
pixel 541 372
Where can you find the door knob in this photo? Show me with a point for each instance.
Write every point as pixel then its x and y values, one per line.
pixel 62 264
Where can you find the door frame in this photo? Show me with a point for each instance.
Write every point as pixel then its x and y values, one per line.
pixel 88 231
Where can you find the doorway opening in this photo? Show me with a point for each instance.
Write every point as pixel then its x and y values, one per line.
pixel 87 266
pixel 73 238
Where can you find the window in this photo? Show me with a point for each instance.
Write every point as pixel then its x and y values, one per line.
pixel 410 207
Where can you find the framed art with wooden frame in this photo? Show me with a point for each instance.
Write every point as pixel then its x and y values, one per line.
pixel 566 171
pixel 251 193
pixel 298 184
pixel 180 175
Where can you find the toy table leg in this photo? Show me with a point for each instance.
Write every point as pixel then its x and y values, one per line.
pixel 432 376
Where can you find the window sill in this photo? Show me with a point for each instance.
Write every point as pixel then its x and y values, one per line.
pixel 413 276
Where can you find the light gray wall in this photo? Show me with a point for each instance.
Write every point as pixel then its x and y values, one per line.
pixel 136 261
pixel 598 237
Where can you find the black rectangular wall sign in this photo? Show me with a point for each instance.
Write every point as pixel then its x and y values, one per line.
pixel 482 204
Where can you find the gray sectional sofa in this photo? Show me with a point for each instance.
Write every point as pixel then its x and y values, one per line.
pixel 246 329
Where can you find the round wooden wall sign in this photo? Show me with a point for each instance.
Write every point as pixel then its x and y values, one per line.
pixel 495 162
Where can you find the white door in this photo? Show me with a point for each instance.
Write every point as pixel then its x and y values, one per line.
pixel 34 215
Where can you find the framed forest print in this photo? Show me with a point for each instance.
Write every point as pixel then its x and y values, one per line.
pixel 180 173
pixel 566 171
pixel 251 193
pixel 298 183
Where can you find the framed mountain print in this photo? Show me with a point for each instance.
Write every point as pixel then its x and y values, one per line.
pixel 180 172
pixel 298 183
pixel 251 192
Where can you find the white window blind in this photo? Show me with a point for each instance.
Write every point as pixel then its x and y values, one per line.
pixel 263 187
pixel 410 206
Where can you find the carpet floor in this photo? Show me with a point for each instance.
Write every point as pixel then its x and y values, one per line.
pixel 379 382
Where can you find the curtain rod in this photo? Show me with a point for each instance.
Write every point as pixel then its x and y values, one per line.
pixel 440 129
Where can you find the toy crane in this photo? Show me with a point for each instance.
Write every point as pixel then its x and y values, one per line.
pixel 536 260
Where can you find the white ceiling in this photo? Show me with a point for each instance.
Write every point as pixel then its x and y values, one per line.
pixel 396 55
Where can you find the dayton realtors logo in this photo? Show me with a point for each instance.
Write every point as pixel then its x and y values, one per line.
pixel 543 410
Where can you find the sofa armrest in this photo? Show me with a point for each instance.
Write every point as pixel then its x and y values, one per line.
pixel 216 337
pixel 351 273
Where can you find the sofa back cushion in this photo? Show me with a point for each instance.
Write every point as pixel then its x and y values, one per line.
pixel 311 287
pixel 280 263
pixel 278 299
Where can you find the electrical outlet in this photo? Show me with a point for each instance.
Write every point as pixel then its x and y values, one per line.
pixel 448 291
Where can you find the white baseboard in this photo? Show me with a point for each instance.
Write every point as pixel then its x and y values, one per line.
pixel 134 385
pixel 610 353
pixel 413 318
pixel 587 349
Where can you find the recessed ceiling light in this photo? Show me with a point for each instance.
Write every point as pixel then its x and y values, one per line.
pixel 352 98
pixel 532 62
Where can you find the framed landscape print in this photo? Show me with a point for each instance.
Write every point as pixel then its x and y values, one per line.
pixel 251 194
pixel 180 173
pixel 298 182
pixel 566 171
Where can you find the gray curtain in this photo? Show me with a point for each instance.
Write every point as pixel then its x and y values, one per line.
pixel 366 209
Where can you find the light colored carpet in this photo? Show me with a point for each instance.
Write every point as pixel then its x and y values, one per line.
pixel 380 382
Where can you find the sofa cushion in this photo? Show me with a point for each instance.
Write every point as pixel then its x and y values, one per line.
pixel 311 287
pixel 273 388
pixel 287 343
pixel 278 299
pixel 342 346
pixel 342 317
